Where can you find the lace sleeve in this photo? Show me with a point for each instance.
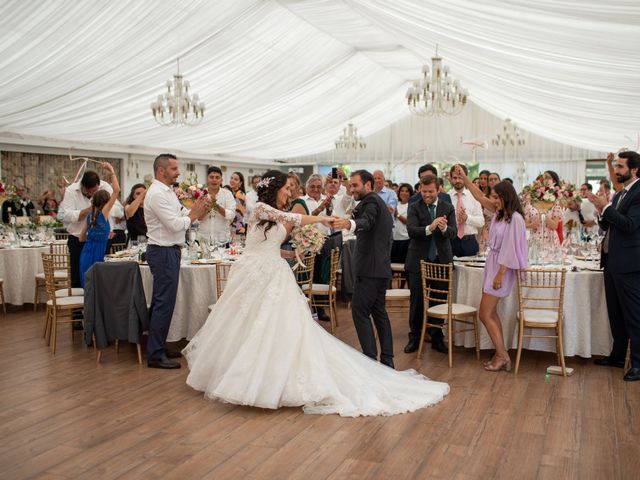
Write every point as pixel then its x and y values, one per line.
pixel 262 211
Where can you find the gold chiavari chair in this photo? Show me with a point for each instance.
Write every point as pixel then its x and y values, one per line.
pixel 4 306
pixel 59 309
pixel 397 276
pixel 324 295
pixel 117 247
pixel 627 360
pixel 60 248
pixel 445 309
pixel 222 276
pixel 61 236
pixel 304 272
pixel 540 307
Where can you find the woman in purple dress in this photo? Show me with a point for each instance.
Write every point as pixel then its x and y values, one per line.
pixel 508 253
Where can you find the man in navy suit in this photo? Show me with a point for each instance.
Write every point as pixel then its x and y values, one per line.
pixel 431 224
pixel 423 171
pixel 620 259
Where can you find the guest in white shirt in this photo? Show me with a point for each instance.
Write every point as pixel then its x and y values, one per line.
pixel 167 221
pixel 587 208
pixel 317 202
pixel 118 224
pixel 388 195
pixel 340 203
pixel 216 225
pixel 400 235
pixel 252 196
pixel 73 210
pixel 469 217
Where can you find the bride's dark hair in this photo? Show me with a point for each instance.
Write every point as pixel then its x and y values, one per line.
pixel 270 183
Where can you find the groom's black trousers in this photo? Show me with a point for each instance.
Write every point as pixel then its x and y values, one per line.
pixel 369 300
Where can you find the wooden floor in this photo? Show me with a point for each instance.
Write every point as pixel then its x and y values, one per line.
pixel 67 417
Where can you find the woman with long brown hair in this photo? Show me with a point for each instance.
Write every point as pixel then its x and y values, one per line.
pixel 507 253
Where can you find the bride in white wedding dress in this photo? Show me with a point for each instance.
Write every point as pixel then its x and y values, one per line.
pixel 261 347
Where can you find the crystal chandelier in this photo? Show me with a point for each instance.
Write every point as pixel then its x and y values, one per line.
pixel 510 137
pixel 349 140
pixel 181 107
pixel 436 93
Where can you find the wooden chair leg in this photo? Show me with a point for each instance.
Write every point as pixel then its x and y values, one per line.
pixel 450 329
pixel 476 335
pixel 139 349
pixel 627 359
pixel 99 356
pixel 54 333
pixel 422 333
pixel 117 344
pixel 520 337
pixel 561 352
pixel 35 297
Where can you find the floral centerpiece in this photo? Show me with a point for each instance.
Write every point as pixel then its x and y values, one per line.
pixel 543 194
pixel 190 190
pixel 306 239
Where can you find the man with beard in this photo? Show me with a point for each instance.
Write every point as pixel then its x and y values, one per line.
pixel 372 224
pixel 620 219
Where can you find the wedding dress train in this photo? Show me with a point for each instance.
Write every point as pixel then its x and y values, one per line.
pixel 261 347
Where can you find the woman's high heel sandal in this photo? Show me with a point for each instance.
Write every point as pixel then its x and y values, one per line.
pixel 503 364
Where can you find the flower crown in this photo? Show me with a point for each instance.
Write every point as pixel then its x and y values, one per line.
pixel 265 182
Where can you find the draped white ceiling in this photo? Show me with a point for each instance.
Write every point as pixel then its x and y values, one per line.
pixel 281 78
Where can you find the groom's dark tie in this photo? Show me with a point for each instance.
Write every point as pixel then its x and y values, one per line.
pixel 432 252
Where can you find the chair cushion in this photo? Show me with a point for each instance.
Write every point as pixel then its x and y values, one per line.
pixel 456 309
pixel 398 293
pixel 318 288
pixel 548 317
pixel 56 274
pixel 397 267
pixel 68 301
pixel 75 292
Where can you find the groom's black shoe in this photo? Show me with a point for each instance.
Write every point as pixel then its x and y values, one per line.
pixel 171 354
pixel 439 346
pixel 163 362
pixel 388 362
pixel 632 375
pixel 609 362
pixel 412 346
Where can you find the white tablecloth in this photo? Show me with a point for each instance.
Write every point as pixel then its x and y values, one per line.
pixel 18 269
pixel 586 322
pixel 196 291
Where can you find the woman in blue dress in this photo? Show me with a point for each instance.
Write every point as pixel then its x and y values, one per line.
pixel 95 231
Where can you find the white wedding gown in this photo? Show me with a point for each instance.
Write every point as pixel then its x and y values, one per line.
pixel 260 345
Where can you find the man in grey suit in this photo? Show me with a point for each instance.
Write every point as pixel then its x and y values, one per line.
pixel 372 224
pixel 431 224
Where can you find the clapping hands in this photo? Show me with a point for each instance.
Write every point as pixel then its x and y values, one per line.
pixel 439 222
pixel 598 201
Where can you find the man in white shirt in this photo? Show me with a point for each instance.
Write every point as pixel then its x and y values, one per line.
pixel 469 217
pixel 587 208
pixel 252 196
pixel 74 210
pixel 167 221
pixel 215 225
pixel 317 203
pixel 118 224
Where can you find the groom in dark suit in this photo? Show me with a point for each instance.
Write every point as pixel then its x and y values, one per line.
pixel 620 219
pixel 431 224
pixel 372 224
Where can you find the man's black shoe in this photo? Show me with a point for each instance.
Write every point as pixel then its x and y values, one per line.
pixel 164 362
pixel 609 362
pixel 171 354
pixel 439 346
pixel 412 346
pixel 632 375
pixel 388 362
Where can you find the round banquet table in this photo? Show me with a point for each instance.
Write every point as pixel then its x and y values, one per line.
pixel 196 291
pixel 18 268
pixel 586 322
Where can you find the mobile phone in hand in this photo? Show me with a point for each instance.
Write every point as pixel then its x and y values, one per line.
pixel 334 172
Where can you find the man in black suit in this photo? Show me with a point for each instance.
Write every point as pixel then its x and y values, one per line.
pixel 431 224
pixel 424 171
pixel 372 224
pixel 620 259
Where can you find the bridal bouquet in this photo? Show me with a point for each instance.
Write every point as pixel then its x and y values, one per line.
pixel 190 190
pixel 306 239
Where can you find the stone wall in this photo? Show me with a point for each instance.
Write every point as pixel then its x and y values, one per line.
pixel 39 172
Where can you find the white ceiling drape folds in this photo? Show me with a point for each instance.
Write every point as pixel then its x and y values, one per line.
pixel 281 78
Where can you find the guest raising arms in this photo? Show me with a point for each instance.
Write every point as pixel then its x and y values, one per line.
pixel 134 212
pixel 508 253
pixel 95 231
